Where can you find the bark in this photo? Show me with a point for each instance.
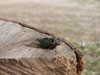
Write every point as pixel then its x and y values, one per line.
pixel 20 56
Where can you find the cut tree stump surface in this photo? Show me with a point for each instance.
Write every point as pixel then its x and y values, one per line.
pixel 17 57
pixel 15 41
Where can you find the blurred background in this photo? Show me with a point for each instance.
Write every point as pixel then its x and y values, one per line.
pixel 74 20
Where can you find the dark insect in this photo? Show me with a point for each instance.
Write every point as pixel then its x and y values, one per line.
pixel 48 43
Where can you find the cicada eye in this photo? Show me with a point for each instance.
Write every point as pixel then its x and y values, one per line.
pixel 58 42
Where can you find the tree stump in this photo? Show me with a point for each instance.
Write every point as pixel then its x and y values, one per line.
pixel 20 56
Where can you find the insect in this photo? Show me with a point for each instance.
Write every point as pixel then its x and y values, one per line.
pixel 48 43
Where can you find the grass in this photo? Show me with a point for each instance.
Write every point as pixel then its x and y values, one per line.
pixel 64 27
pixel 92 64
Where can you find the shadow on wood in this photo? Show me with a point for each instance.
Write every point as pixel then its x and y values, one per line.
pixel 18 58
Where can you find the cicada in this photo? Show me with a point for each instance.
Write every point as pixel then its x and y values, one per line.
pixel 48 43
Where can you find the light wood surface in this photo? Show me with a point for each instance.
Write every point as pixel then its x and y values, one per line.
pixel 17 57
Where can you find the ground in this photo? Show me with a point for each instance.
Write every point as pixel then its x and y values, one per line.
pixel 75 20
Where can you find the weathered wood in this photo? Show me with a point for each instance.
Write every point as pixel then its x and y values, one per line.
pixel 15 41
pixel 39 66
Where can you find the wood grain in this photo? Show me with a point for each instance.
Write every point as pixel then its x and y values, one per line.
pixel 40 66
pixel 17 57
pixel 15 41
